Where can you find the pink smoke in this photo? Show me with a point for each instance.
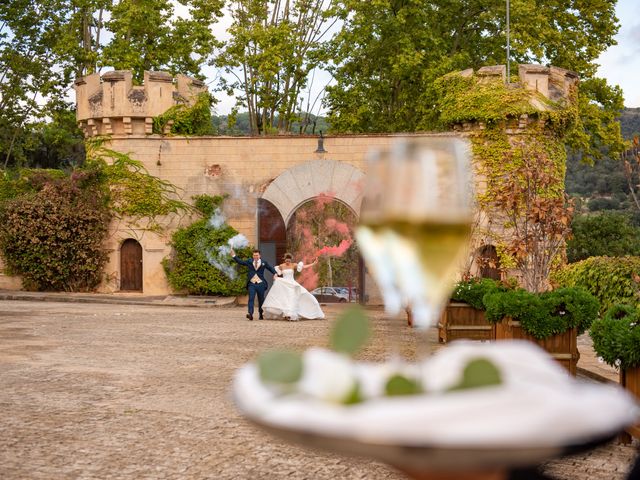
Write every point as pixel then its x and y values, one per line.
pixel 337 226
pixel 309 248
pixel 336 251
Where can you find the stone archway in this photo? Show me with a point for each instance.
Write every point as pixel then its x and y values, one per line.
pixel 301 183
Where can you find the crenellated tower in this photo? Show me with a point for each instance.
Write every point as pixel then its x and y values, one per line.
pixel 112 105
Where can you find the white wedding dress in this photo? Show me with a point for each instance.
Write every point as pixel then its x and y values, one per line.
pixel 288 299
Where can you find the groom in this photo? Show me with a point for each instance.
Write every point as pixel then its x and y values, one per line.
pixel 256 283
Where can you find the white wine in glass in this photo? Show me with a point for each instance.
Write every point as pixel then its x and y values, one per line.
pixel 415 223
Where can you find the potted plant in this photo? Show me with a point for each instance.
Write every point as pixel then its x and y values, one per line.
pixel 464 316
pixel 552 319
pixel 616 339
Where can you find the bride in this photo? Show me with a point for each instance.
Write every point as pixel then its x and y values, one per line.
pixel 287 298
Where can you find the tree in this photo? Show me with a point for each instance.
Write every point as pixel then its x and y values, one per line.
pixel 605 234
pixel 536 214
pixel 30 77
pixel 631 161
pixel 389 53
pixel 148 36
pixel 274 46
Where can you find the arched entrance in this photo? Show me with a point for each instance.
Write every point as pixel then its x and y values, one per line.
pixel 301 184
pixel 131 266
pixel 323 228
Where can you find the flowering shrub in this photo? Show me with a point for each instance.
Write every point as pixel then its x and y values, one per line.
pixel 53 237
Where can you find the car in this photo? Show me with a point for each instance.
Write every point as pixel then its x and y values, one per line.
pixel 330 295
pixel 350 293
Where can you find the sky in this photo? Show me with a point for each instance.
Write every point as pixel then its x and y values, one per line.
pixel 620 64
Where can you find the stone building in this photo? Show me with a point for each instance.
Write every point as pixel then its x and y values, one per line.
pixel 267 178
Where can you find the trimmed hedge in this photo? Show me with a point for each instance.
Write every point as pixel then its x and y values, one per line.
pixel 616 336
pixel 545 314
pixel 472 291
pixel 611 280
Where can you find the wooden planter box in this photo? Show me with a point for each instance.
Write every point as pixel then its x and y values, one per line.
pixel 630 379
pixel 461 320
pixel 563 347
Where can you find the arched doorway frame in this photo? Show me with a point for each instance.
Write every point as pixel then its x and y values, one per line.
pixel 303 183
pixel 306 181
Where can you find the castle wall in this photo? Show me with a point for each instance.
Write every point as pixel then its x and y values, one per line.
pixel 243 168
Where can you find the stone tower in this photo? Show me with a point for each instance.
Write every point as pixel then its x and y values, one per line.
pixel 112 105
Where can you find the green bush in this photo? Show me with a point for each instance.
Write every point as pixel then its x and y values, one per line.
pixel 472 291
pixel 610 279
pixel 187 120
pixel 608 233
pixel 53 237
pixel 17 182
pixel 616 336
pixel 578 307
pixel 189 268
pixel 545 314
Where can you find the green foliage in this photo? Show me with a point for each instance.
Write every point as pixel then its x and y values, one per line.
pixel 616 336
pixel 189 269
pixel 462 99
pixel 479 373
pixel 280 367
pixel 545 314
pixel 187 120
pixel 53 237
pixel 133 192
pixel 273 48
pixel 18 182
pixel 610 279
pixel 206 204
pixel 350 331
pixel 388 54
pixel 607 233
pixel 472 291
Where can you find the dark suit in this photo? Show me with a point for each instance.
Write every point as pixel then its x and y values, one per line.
pixel 259 289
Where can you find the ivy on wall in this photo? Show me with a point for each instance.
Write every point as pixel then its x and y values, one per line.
pixel 187 120
pixel 189 268
pixel 519 144
pixel 133 193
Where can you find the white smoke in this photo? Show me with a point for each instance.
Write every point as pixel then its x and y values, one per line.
pixel 217 219
pixel 238 241
pixel 220 257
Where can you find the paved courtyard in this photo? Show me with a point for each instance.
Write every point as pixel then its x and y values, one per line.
pixel 95 391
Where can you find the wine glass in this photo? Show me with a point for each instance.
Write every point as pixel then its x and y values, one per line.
pixel 415 222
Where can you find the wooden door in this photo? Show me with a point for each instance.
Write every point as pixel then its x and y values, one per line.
pixel 131 266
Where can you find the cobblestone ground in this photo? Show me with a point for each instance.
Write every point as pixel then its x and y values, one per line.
pixel 92 391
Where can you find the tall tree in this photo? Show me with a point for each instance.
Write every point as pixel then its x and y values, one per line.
pixel 44 44
pixel 148 36
pixel 274 45
pixel 390 51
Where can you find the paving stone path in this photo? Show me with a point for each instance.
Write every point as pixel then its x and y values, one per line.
pixel 95 391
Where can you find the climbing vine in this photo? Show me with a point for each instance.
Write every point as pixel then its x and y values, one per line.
pixel 518 140
pixel 187 120
pixel 133 193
